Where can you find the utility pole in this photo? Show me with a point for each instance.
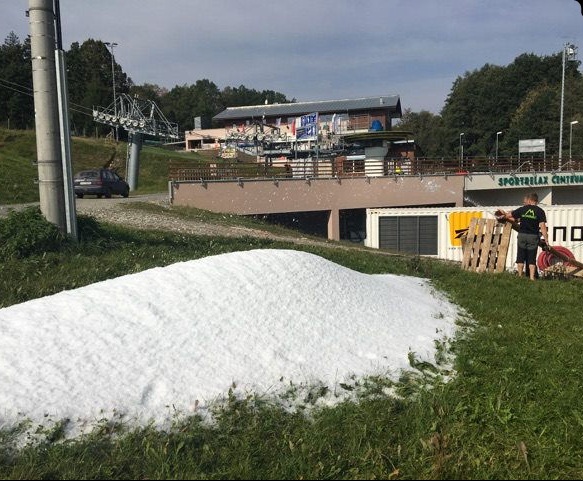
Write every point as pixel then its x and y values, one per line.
pixel 569 52
pixel 112 45
pixel 63 103
pixel 48 146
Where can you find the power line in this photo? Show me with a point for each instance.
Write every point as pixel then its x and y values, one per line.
pixel 17 85
pixel 28 91
pixel 10 87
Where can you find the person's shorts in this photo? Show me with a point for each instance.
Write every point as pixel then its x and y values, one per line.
pixel 527 248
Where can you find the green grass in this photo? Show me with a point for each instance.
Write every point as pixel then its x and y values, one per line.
pixel 19 173
pixel 513 410
pixel 17 153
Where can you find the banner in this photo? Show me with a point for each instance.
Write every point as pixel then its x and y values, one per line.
pixel 307 127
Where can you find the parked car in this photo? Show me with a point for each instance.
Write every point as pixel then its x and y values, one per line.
pixel 100 182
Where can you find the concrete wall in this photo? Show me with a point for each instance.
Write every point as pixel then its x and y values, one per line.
pixel 329 194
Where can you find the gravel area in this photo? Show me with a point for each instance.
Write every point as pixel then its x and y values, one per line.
pixel 115 210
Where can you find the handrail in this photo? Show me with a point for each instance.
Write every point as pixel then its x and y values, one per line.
pixel 356 166
pixel 527 162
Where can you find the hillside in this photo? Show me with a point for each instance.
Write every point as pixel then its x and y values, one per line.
pixel 19 173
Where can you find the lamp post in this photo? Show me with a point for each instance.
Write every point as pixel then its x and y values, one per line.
pixel 461 150
pixel 571 138
pixel 111 45
pixel 497 135
pixel 569 50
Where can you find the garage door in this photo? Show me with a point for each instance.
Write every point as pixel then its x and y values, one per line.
pixel 409 234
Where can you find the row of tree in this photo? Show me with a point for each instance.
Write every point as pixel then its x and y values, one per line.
pixel 90 81
pixel 520 100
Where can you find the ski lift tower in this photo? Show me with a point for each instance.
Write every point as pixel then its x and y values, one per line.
pixel 138 118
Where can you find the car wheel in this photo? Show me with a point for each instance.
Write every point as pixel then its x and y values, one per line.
pixel 99 196
pixel 126 193
pixel 80 196
pixel 108 193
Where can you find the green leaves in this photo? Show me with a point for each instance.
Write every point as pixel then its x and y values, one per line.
pixel 520 99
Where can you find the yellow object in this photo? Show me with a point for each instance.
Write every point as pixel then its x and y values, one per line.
pixel 459 221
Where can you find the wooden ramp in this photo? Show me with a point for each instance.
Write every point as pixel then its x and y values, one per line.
pixel 485 246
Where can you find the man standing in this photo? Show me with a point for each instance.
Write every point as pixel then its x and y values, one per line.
pixel 532 232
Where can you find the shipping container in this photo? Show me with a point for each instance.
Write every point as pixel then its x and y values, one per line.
pixel 432 231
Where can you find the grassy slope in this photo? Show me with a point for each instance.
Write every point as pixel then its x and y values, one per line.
pixel 18 173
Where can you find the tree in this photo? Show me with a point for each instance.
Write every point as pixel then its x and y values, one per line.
pixel 485 101
pixel 534 120
pixel 179 105
pixel 207 101
pixel 90 81
pixel 240 96
pixel 204 99
pixel 428 132
pixel 16 101
pixel 148 91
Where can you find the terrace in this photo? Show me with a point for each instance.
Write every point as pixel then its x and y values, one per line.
pixel 350 166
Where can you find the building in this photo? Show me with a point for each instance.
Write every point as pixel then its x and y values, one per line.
pixel 338 116
pixel 206 139
pixel 322 187
pixel 315 183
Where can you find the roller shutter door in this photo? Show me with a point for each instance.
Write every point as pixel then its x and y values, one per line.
pixel 409 234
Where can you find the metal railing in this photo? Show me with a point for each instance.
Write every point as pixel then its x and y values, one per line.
pixel 356 166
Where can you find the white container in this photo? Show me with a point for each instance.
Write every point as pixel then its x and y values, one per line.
pixel 565 226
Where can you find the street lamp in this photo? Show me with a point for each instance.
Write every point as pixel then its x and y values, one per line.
pixel 569 51
pixel 461 150
pixel 571 138
pixel 113 44
pixel 497 135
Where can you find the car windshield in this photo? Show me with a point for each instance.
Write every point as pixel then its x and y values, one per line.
pixel 88 174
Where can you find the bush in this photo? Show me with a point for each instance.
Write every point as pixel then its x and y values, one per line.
pixel 27 232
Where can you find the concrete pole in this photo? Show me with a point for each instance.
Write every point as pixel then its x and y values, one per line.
pixel 135 141
pixel 48 146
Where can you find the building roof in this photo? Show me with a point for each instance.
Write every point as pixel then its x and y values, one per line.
pixel 390 102
pixel 391 135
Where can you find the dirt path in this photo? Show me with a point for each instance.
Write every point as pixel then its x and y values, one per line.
pixel 115 210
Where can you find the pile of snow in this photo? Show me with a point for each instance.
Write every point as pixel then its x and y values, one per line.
pixel 176 338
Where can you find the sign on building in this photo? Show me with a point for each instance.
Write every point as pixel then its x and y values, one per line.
pixel 531 145
pixel 307 127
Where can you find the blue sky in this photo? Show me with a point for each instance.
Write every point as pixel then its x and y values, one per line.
pixel 316 50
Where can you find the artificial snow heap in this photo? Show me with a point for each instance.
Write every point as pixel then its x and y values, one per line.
pixel 178 337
